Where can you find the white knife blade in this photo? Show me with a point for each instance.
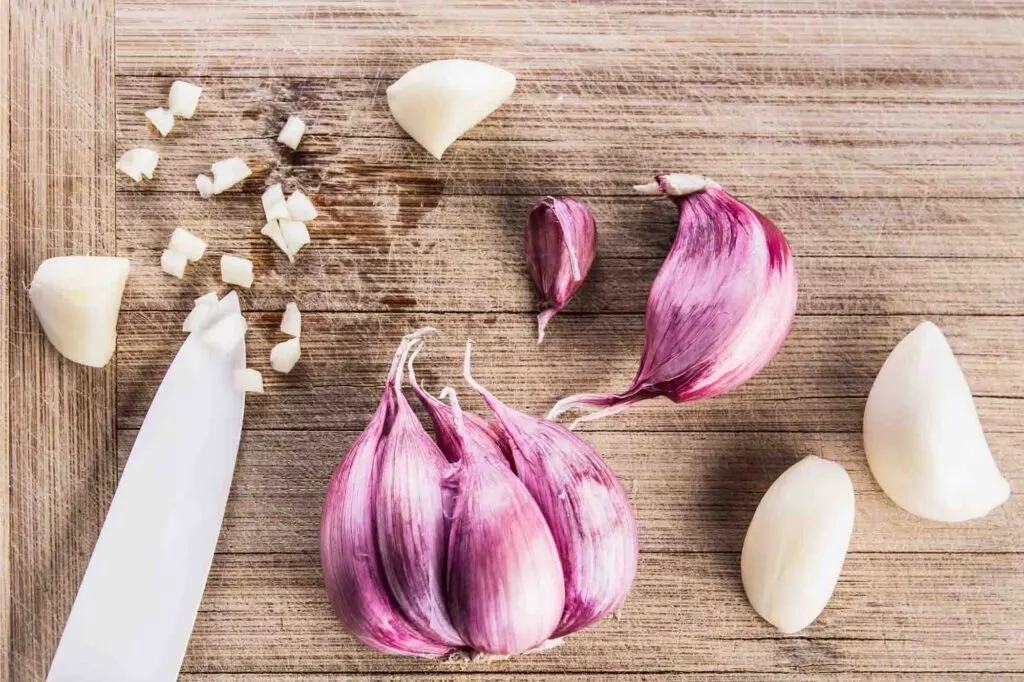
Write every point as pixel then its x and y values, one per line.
pixel 135 609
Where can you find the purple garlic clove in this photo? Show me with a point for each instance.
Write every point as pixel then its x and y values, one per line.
pixel 560 244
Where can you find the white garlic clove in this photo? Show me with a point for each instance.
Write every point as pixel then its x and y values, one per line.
pixel 228 173
pixel 437 102
pixel 249 380
pixel 272 230
pixel 205 186
pixel 236 270
pixel 161 119
pixel 226 333
pixel 187 244
pixel 77 300
pixel 274 205
pixel 291 321
pixel 197 317
pixel 183 99
pixel 922 436
pixel 797 542
pixel 300 207
pixel 292 132
pixel 173 263
pixel 295 235
pixel 138 163
pixel 284 355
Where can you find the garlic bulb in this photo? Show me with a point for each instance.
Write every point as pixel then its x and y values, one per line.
pixel 922 436
pixel 77 300
pixel 796 543
pixel 720 307
pixel 560 244
pixel 437 102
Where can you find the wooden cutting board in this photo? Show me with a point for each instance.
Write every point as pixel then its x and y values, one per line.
pixel 887 142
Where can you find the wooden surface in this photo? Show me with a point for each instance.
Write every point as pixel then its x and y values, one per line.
pixel 885 139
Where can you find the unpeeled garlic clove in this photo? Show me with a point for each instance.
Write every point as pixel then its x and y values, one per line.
pixel 437 102
pixel 923 440
pixel 797 542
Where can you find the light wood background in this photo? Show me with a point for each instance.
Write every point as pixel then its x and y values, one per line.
pixel 886 139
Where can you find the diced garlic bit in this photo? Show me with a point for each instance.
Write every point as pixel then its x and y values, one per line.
pixel 291 321
pixel 183 99
pixel 274 205
pixel 173 263
pixel 236 270
pixel 249 380
pixel 228 173
pixel 295 235
pixel 273 231
pixel 284 355
pixel 292 132
pixel 187 244
pixel 204 307
pixel 226 333
pixel 138 163
pixel 161 119
pixel 205 186
pixel 300 208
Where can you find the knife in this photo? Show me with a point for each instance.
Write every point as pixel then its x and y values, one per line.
pixel 135 609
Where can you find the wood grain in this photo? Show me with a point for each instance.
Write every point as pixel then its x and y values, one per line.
pixel 63 439
pixel 5 344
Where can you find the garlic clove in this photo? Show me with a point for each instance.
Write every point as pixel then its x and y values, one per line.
pixel 77 300
pixel 173 263
pixel 291 321
pixel 274 205
pixel 226 333
pixel 272 230
pixel 205 186
pixel 437 102
pixel 138 163
pixel 228 173
pixel 209 298
pixel 295 235
pixel 300 207
pixel 197 317
pixel 284 355
pixel 236 270
pixel 292 132
pixel 187 244
pixel 796 543
pixel 161 119
pixel 922 437
pixel 249 380
pixel 183 99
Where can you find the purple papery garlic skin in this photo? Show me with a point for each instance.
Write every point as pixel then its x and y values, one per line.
pixel 354 574
pixel 559 244
pixel 505 587
pixel 585 507
pixel 720 307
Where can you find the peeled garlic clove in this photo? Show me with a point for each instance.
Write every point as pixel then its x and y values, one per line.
pixel 161 119
pixel 437 102
pixel 922 436
pixel 77 300
pixel 300 207
pixel 236 270
pixel 274 205
pixel 183 99
pixel 205 186
pixel 173 263
pixel 187 244
pixel 284 355
pixel 797 542
pixel 291 321
pixel 228 173
pixel 249 380
pixel 560 244
pixel 292 132
pixel 295 235
pixel 138 163
pixel 272 230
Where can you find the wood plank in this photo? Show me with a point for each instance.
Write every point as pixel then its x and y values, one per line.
pixel 5 344
pixel 462 676
pixel 818 382
pixel 687 613
pixel 63 449
pixel 819 46
pixel 693 493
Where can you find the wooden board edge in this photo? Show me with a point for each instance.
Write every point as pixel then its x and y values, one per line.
pixel 5 340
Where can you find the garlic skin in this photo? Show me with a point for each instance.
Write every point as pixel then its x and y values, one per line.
pixel 796 543
pixel 77 300
pixel 720 307
pixel 438 102
pixel 505 588
pixel 560 245
pixel 584 505
pixel 923 440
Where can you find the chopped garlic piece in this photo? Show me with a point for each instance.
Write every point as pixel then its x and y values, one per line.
pixel 249 380
pixel 183 99
pixel 173 263
pixel 226 333
pixel 187 244
pixel 228 173
pixel 295 235
pixel 197 316
pixel 210 297
pixel 291 321
pixel 274 205
pixel 284 355
pixel 300 207
pixel 292 132
pixel 236 270
pixel 138 163
pixel 273 231
pixel 161 119
pixel 205 186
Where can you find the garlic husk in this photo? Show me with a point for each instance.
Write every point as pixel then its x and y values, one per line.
pixel 161 119
pixel 353 574
pixel 719 309
pixel 505 588
pixel 291 321
pixel 77 300
pixel 923 440
pixel 183 99
pixel 173 263
pixel 560 244
pixel 437 102
pixel 292 131
pixel 796 543
pixel 285 355
pixel 410 521
pixel 138 163
pixel 584 504
pixel 187 244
